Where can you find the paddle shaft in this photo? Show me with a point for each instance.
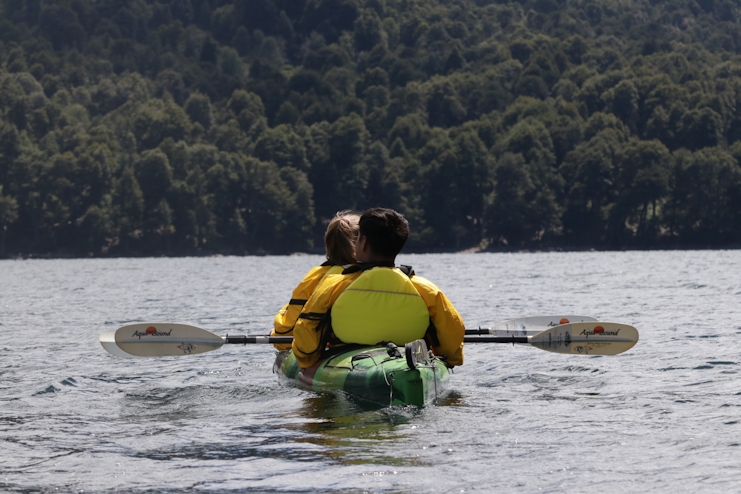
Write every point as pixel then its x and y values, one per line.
pixel 245 340
pixel 495 339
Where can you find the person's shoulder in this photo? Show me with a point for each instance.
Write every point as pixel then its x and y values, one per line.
pixel 330 287
pixel 316 272
pixel 332 280
pixel 322 268
pixel 423 283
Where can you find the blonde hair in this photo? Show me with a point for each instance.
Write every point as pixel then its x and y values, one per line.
pixel 340 237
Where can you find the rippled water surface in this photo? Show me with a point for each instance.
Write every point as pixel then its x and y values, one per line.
pixel 663 417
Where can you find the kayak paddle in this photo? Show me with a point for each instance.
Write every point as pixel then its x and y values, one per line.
pixel 528 326
pixel 173 339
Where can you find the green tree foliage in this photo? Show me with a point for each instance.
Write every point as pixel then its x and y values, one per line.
pixel 128 203
pixel 179 127
pixel 707 197
pixel 8 214
pixel 520 212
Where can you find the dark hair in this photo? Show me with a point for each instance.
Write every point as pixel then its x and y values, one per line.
pixel 340 237
pixel 386 230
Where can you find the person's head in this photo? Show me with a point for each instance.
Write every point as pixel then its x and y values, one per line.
pixel 340 237
pixel 383 233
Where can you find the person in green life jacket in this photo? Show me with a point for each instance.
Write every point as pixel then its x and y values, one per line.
pixel 339 241
pixel 375 301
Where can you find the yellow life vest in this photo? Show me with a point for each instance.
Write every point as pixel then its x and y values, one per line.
pixel 286 318
pixel 335 269
pixel 381 305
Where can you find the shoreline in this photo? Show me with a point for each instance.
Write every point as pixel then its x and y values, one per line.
pixel 471 250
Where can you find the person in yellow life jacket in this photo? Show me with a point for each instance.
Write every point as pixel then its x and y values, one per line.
pixel 339 241
pixel 374 301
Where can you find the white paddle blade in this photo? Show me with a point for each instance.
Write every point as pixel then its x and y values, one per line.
pixel 108 340
pixel 587 338
pixel 529 326
pixel 159 340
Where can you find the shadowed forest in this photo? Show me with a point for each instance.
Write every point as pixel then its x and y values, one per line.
pixel 182 127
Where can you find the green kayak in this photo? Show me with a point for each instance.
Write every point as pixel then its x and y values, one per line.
pixel 378 375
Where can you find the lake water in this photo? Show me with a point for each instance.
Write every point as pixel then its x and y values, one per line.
pixel 663 417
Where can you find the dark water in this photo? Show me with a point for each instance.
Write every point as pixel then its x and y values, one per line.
pixel 664 417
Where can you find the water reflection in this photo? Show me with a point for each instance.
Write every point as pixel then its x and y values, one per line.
pixel 342 430
pixel 453 399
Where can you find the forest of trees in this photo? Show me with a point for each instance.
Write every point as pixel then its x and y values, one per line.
pixel 182 127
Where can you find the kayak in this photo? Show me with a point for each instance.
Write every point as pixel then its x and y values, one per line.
pixel 376 375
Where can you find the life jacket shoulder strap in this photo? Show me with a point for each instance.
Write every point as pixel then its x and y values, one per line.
pixel 364 266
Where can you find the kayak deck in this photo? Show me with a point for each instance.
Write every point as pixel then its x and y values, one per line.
pixel 378 375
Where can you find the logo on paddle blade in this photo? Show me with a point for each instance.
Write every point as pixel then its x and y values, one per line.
pixel 151 331
pixel 599 331
pixel 187 347
pixel 564 321
pixel 583 349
